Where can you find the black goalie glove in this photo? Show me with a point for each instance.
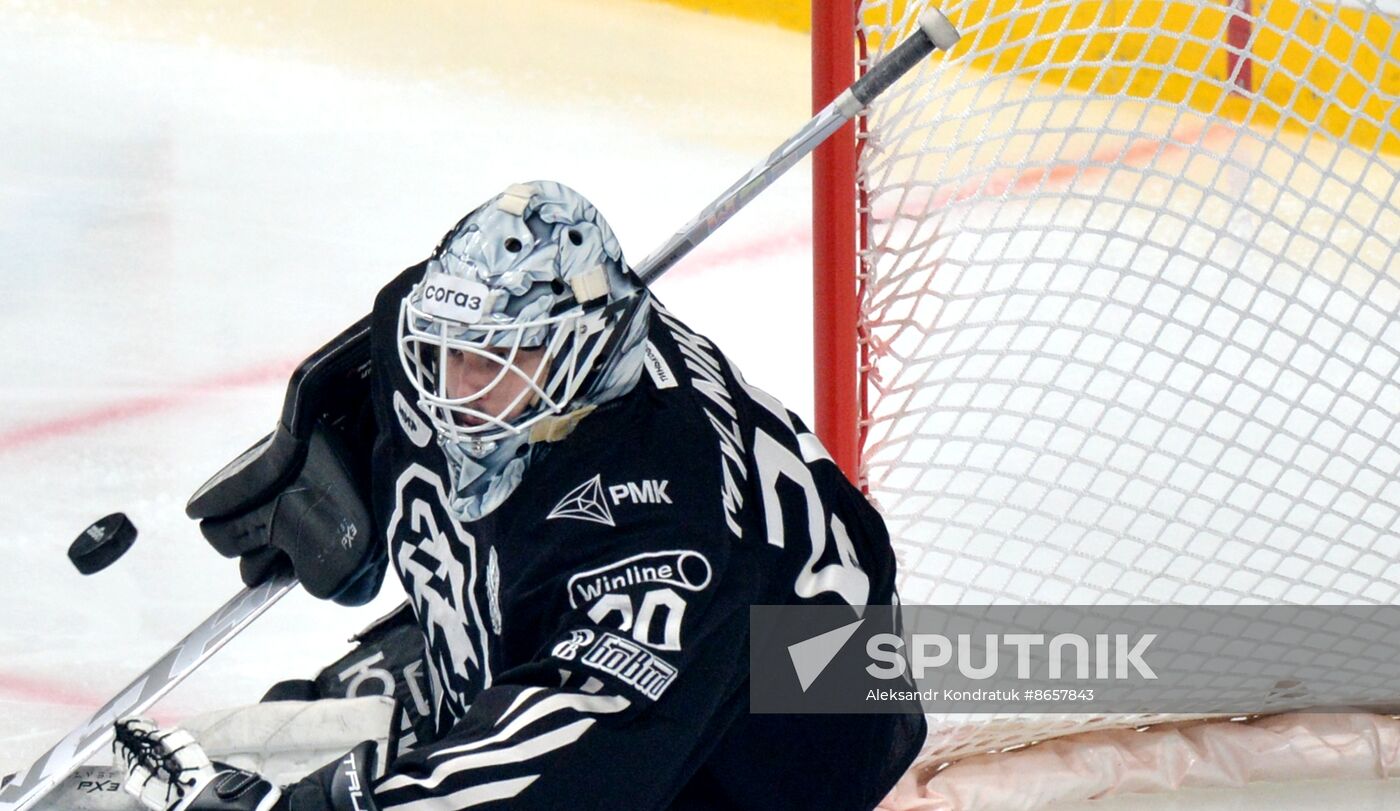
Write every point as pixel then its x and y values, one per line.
pixel 167 770
pixel 298 498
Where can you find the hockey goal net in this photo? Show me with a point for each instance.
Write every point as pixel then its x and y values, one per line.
pixel 1109 307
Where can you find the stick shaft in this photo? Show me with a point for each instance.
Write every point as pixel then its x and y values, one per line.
pixel 29 786
pixel 936 32
pixel 738 195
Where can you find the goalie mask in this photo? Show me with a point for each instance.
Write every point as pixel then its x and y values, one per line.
pixel 526 318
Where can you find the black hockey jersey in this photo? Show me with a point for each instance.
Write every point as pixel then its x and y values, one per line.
pixel 587 641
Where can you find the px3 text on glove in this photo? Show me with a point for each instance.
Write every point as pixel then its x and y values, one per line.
pixel 298 498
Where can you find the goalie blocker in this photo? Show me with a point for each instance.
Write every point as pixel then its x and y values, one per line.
pixel 296 500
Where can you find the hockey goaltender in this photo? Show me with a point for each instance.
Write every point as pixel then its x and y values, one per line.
pixel 581 497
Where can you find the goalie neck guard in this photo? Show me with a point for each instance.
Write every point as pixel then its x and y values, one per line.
pixel 526 318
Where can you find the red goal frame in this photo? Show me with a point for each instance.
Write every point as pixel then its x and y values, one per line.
pixel 838 389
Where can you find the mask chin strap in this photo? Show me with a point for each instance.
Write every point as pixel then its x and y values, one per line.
pixel 553 429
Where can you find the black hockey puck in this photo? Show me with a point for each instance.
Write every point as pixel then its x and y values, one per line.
pixel 102 543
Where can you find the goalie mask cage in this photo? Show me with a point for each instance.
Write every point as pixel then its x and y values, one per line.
pixel 1108 310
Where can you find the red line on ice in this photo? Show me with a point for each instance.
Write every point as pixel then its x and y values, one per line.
pixel 990 185
pixel 48 692
pixel 775 244
pixel 30 691
pixel 45 691
pixel 145 405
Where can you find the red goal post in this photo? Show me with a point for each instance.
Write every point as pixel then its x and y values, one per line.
pixel 835 375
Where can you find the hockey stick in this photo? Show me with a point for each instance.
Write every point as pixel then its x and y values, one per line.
pixel 29 786
pixel 934 31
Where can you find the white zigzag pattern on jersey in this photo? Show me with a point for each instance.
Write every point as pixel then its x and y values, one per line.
pixel 515 753
pixel 525 695
pixel 547 706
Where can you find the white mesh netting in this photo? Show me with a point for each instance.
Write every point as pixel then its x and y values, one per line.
pixel 1131 310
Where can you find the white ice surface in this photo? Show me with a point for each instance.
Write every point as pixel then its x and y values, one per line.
pixel 176 214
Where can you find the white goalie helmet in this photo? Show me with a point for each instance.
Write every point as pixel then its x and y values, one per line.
pixel 525 319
